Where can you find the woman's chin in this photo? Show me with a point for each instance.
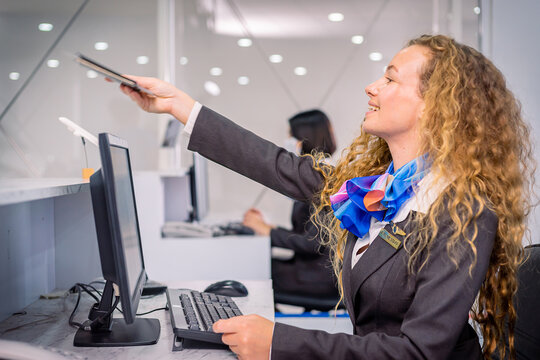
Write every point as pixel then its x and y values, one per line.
pixel 370 128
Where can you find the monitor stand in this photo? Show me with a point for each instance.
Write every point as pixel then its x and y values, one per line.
pixel 107 331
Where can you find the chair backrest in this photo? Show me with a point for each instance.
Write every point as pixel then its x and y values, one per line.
pixel 527 330
pixel 308 302
pixel 527 303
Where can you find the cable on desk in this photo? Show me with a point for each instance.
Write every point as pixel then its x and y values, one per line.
pixel 70 321
pixel 87 325
pixel 88 288
pixel 166 308
pixel 85 286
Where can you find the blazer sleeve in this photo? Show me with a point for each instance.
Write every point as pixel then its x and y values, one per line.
pixel 306 243
pixel 220 140
pixel 431 326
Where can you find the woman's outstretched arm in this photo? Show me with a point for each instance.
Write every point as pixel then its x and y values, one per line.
pixel 219 139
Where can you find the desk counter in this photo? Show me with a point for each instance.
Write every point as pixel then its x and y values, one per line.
pixel 45 323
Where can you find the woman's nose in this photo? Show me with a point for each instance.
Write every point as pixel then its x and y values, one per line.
pixel 371 89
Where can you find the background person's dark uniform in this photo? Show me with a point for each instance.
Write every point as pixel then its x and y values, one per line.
pixel 309 272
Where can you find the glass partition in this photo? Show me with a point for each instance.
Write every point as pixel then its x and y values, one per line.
pixel 40 82
pixel 257 62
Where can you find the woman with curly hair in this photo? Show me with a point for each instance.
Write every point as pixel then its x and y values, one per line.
pixel 425 213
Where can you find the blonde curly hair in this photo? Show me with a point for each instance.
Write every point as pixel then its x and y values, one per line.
pixel 473 133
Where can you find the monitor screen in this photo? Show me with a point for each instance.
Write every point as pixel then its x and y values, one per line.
pixel 127 217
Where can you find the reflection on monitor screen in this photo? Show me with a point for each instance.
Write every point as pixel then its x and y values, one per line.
pixel 127 218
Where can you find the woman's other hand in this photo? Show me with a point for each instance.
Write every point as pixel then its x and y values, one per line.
pixel 253 219
pixel 249 337
pixel 168 99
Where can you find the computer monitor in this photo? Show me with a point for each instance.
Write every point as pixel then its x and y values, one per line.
pixel 198 178
pixel 120 252
pixel 170 139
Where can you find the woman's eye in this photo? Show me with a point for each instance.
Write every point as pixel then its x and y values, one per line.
pixel 388 80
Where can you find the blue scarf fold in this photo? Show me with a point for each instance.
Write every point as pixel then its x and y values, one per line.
pixel 379 196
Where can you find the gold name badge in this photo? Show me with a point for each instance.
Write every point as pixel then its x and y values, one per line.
pixel 390 239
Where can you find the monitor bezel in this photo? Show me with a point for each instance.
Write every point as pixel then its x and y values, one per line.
pixel 198 179
pixel 106 141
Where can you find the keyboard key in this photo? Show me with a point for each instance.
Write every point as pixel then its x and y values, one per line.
pixel 205 316
pixel 229 312
pixel 222 313
pixel 213 313
pixel 192 319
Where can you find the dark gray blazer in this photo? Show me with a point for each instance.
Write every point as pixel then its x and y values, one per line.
pixel 395 315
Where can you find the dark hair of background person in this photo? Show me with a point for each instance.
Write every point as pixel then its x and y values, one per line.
pixel 313 128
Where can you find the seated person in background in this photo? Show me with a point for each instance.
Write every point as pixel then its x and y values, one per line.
pixel 309 272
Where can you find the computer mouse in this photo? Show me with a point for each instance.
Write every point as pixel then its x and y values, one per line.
pixel 228 288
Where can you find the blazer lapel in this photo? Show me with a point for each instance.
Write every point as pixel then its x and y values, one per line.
pixel 347 256
pixel 383 248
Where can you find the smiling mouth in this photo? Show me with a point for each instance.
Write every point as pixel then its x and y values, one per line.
pixel 373 108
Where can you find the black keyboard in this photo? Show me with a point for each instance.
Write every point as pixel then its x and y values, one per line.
pixel 193 313
pixel 233 228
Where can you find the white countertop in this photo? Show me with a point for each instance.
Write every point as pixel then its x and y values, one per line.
pixel 14 191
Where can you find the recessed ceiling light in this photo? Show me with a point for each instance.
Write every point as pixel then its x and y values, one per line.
pixel 243 80
pixel 45 27
pixel 275 58
pixel 142 60
pixel 101 45
pixel 212 88
pixel 375 56
pixel 300 70
pixel 357 39
pixel 216 71
pixel 91 74
pixel 14 75
pixel 53 63
pixel 477 10
pixel 184 60
pixel 336 17
pixel 244 42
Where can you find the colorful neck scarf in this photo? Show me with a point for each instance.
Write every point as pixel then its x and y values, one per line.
pixel 379 196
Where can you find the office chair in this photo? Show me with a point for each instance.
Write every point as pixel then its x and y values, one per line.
pixel 527 303
pixel 308 302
